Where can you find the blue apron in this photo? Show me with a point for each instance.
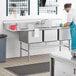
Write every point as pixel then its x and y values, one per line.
pixel 73 36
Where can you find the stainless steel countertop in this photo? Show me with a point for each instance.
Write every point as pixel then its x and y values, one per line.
pixel 64 57
pixel 40 28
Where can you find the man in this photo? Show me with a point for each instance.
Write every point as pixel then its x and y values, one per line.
pixel 71 21
pixel 71 16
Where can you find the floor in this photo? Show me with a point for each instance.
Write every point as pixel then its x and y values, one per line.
pixel 23 61
pixel 34 59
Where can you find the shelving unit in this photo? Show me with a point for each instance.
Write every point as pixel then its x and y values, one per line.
pixel 49 6
pixel 21 6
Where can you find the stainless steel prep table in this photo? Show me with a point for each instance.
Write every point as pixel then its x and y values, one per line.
pixel 62 57
pixel 25 35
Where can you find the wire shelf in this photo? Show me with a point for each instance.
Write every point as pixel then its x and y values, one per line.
pixel 47 6
pixel 21 7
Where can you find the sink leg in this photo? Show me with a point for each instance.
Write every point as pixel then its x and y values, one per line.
pixel 28 52
pixel 69 45
pixel 52 67
pixel 20 49
pixel 60 45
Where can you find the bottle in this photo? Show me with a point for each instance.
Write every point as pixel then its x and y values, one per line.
pixel 62 25
pixel 17 26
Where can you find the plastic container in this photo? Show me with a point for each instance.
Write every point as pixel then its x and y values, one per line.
pixel 3 47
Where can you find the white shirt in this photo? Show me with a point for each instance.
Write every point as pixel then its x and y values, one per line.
pixel 71 16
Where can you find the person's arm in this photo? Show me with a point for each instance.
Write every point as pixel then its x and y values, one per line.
pixel 69 19
pixel 67 24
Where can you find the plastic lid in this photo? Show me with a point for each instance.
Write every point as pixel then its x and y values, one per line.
pixel 3 35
